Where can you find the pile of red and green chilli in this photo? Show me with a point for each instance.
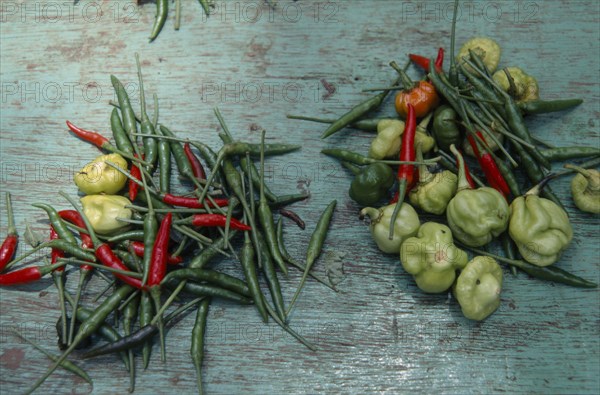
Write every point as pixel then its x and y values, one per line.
pixel 156 250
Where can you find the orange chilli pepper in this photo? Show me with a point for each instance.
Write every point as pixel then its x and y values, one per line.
pixel 421 95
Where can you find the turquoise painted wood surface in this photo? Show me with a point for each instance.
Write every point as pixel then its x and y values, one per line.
pixel 379 334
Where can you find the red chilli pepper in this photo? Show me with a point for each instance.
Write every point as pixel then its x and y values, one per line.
pixel 7 250
pixel 419 60
pixel 108 258
pixel 138 249
pixel 55 254
pixel 406 172
pixel 211 220
pixel 489 167
pixel 191 202
pixel 91 137
pixel 467 174
pixel 28 274
pixel 9 245
pixel 423 62
pixel 158 266
pixel 439 60
pixel 73 217
pixel 134 186
pixel 197 168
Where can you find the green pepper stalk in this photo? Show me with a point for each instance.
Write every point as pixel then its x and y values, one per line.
pixel 432 258
pixel 539 227
pixel 475 215
pixel 478 288
pixel 434 191
pixel 371 183
pixel 406 225
pixel 585 188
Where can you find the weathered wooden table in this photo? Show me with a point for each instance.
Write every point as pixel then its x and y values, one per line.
pixel 379 334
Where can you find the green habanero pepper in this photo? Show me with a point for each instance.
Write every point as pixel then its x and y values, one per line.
pixel 524 87
pixel 478 288
pixel 539 227
pixel 406 225
pixel 475 215
pixel 389 137
pixel 434 191
pixel 371 183
pixel 585 188
pixel 445 127
pixel 432 258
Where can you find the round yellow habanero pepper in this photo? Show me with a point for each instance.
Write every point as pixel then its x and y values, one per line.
pixel 103 211
pixel 487 49
pixel 98 177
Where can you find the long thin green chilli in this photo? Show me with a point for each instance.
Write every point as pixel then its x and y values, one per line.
pixel 315 246
pixel 162 10
pixel 88 327
pixel 198 333
pixel 66 364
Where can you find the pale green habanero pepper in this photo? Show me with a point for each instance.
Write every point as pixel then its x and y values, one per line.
pixel 406 225
pixel 585 188
pixel 434 191
pixel 540 228
pixel 389 137
pixel 523 88
pixel 475 215
pixel 432 258
pixel 478 288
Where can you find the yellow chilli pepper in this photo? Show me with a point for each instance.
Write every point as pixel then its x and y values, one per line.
pixel 103 211
pixel 98 177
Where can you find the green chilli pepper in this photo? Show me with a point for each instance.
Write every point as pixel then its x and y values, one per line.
pixel 540 228
pixel 585 188
pixel 478 288
pixel 406 225
pixel 432 258
pixel 475 215
pixel 371 183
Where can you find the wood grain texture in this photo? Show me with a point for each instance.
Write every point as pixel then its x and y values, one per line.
pixel 379 334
